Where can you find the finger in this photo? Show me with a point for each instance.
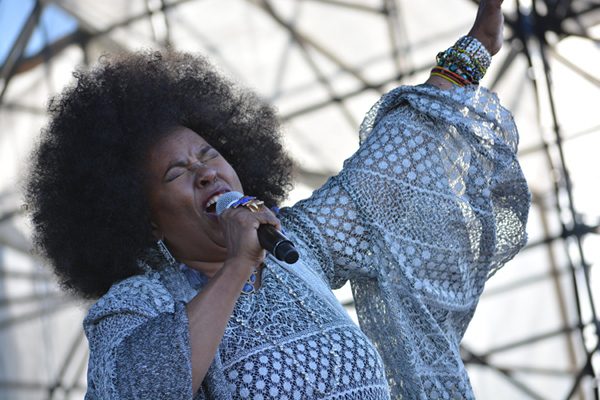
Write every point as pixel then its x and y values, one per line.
pixel 267 216
pixel 244 216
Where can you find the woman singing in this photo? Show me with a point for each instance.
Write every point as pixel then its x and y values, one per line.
pixel 123 190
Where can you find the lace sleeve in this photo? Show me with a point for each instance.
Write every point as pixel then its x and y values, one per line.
pixel 431 205
pixel 435 181
pixel 329 229
pixel 139 345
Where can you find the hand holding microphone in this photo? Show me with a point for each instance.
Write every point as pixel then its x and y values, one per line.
pixel 269 237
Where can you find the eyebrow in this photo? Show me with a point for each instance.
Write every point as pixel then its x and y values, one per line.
pixel 182 163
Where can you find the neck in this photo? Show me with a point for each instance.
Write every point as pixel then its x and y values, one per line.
pixel 207 268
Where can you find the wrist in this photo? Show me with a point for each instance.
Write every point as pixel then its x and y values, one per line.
pixel 466 62
pixel 484 40
pixel 240 266
pixel 440 83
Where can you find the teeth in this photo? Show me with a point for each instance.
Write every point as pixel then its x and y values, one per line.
pixel 213 200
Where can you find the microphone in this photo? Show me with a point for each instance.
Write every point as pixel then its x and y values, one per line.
pixel 269 238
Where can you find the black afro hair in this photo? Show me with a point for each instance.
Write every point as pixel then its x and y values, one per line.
pixel 85 190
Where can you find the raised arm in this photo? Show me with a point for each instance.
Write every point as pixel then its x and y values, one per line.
pixel 431 204
pixel 433 166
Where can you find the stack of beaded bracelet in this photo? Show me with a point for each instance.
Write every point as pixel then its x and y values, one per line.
pixel 464 63
pixel 450 76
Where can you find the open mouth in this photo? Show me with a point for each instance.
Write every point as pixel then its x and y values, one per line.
pixel 211 204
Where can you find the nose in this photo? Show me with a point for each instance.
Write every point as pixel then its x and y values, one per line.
pixel 205 175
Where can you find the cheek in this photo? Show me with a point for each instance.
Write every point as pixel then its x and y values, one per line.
pixel 172 204
pixel 238 183
pixel 233 178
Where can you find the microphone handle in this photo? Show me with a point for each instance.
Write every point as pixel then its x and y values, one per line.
pixel 277 244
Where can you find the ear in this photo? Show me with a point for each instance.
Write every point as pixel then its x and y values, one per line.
pixel 156 232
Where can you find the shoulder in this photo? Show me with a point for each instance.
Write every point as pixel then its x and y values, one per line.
pixel 141 294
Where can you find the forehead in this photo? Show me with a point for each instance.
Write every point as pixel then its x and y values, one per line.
pixel 178 143
pixel 180 138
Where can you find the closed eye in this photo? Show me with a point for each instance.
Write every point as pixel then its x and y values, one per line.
pixel 178 168
pixel 174 173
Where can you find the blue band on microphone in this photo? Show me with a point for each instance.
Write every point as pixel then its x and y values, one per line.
pixel 243 200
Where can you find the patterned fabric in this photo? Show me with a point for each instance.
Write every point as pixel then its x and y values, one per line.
pixel 314 349
pixel 430 206
pixel 276 345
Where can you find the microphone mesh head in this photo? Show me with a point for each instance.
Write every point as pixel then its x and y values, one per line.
pixel 226 200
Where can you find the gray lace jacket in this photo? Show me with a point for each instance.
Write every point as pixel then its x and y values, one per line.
pixel 431 205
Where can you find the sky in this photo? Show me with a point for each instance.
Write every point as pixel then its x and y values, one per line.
pixel 54 24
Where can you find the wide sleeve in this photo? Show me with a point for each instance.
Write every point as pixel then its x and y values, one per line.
pixel 139 344
pixel 429 207
pixel 435 181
